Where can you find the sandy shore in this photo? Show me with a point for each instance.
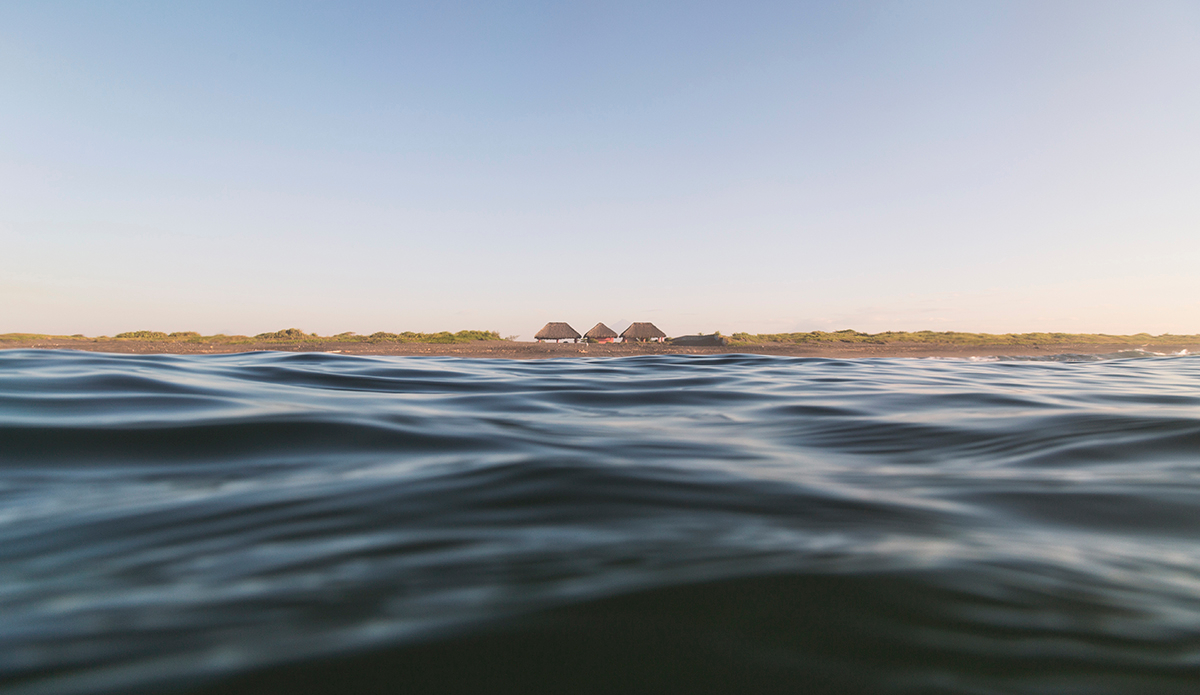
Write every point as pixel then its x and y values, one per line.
pixel 533 350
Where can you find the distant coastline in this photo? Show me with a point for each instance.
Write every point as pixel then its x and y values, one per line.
pixel 846 343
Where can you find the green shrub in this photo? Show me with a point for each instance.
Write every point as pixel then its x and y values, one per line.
pixel 443 337
pixel 953 338
pixel 285 334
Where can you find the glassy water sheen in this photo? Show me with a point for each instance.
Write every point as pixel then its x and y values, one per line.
pixel 295 523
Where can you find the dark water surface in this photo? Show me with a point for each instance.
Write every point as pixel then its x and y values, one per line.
pixel 298 523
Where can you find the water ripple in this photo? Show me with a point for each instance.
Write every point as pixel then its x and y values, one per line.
pixel 310 523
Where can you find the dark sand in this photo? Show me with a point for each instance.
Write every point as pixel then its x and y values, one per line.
pixel 522 350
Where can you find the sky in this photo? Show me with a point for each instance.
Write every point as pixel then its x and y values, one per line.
pixel 242 167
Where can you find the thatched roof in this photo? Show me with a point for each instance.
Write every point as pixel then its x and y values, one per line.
pixel 557 330
pixel 642 331
pixel 600 332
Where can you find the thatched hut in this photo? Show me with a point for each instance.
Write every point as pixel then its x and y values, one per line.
pixel 642 332
pixel 558 332
pixel 600 334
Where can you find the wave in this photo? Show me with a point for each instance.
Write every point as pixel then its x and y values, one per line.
pixel 314 523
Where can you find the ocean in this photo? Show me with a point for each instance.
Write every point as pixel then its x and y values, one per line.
pixel 312 523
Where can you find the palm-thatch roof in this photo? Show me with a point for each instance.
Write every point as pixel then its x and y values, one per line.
pixel 557 330
pixel 642 331
pixel 600 332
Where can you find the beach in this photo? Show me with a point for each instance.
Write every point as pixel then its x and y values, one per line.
pixel 520 350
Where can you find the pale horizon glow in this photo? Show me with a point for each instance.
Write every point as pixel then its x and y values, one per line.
pixel 246 167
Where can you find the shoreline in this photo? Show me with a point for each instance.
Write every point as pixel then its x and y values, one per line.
pixel 501 349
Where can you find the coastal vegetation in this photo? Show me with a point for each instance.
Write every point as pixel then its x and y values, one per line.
pixel 299 339
pixel 956 338
pixel 286 336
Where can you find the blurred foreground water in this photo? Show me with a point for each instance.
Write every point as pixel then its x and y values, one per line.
pixel 296 523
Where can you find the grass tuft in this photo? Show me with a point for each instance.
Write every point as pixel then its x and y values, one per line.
pixel 955 338
pixel 443 337
pixel 286 334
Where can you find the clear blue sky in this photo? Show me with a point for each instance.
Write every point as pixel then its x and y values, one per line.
pixel 242 167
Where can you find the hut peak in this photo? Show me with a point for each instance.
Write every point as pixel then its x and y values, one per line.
pixel 643 331
pixel 601 332
pixel 557 330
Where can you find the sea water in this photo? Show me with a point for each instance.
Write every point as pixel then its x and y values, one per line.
pixel 294 523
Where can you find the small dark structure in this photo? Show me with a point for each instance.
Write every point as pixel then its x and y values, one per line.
pixel 600 334
pixel 642 332
pixel 558 332
pixel 700 340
